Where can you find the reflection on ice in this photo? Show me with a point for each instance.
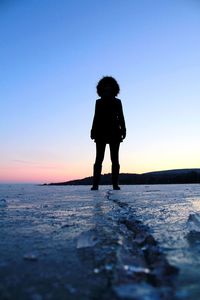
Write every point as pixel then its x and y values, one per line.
pixel 87 239
pixel 193 222
pixel 3 203
pixel 134 269
pixel 31 257
pixel 135 291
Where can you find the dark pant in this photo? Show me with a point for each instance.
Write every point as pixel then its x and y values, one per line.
pixel 114 152
pixel 114 155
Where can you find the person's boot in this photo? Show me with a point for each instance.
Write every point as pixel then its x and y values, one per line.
pixel 115 176
pixel 96 177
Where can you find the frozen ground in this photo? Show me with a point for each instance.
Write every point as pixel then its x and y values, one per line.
pixel 71 243
pixel 172 213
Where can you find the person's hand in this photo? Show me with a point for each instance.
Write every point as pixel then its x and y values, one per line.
pixel 92 135
pixel 123 134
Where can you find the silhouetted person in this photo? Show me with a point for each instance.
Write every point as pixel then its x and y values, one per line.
pixel 108 128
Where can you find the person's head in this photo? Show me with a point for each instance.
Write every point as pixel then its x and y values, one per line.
pixel 108 87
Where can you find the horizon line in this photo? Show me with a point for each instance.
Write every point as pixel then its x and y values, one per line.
pixel 39 183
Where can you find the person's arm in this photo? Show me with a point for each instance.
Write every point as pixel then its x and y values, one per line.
pixel 121 120
pixel 94 124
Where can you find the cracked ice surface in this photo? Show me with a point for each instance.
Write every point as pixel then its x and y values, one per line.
pixel 40 227
pixel 38 222
pixel 172 213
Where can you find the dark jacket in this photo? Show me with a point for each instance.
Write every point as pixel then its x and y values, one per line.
pixel 108 123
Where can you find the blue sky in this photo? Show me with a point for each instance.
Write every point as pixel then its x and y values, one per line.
pixel 52 53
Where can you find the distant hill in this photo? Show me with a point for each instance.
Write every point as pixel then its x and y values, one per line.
pixel 158 177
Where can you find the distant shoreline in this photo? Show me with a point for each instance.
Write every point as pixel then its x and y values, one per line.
pixel 177 176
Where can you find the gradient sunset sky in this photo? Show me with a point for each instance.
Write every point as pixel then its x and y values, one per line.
pixel 52 54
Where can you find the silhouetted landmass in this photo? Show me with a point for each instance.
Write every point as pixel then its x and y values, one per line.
pixel 158 177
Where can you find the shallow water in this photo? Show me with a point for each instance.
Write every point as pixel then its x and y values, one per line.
pixel 172 213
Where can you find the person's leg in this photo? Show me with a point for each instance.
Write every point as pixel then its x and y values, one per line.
pixel 114 155
pixel 100 150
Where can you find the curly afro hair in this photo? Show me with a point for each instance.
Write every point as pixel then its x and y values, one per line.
pixel 108 80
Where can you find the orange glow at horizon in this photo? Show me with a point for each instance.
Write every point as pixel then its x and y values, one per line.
pixel 25 171
pixel 40 174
